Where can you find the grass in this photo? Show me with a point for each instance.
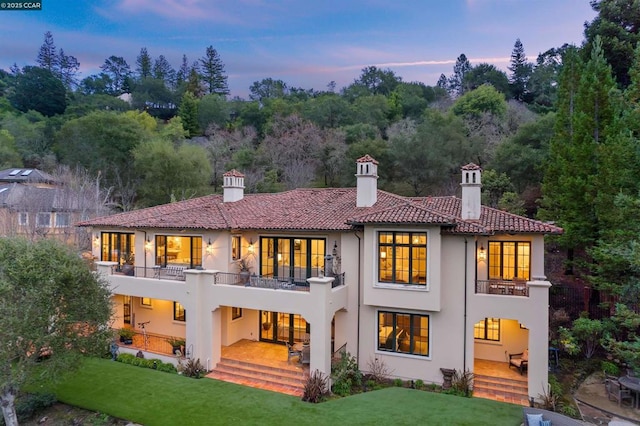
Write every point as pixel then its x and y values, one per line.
pixel 154 398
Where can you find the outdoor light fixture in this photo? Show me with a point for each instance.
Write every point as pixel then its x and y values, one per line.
pixel 482 254
pixel 147 245
pixel 209 248
pixel 96 239
pixel 250 248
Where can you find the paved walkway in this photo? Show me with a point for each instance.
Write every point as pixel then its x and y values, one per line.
pixel 597 409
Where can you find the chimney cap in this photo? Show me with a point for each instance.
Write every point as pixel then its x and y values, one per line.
pixel 471 166
pixel 367 159
pixel 233 173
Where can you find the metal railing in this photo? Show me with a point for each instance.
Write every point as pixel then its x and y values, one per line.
pixel 339 281
pixel 157 343
pixel 169 272
pixel 258 281
pixel 501 287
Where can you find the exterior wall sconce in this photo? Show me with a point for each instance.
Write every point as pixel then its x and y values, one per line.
pixel 251 249
pixel 482 253
pixel 147 245
pixel 209 248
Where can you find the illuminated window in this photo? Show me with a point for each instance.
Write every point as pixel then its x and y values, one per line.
pixel 178 250
pixel 235 247
pixel 402 257
pixel 403 333
pixel 179 314
pixel 509 260
pixel 487 329
pixel 145 301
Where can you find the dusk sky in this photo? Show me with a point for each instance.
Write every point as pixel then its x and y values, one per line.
pixel 304 43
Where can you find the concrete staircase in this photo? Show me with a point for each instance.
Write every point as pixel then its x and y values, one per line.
pixel 513 391
pixel 289 380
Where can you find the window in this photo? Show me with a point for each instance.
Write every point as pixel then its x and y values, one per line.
pixel 126 309
pixel 43 220
pixel 487 329
pixel 403 333
pixel 178 250
pixel 62 220
pixel 297 258
pixel 402 257
pixel 179 314
pixel 118 247
pixel 235 247
pixel 509 260
pixel 23 218
pixel 236 313
pixel 145 301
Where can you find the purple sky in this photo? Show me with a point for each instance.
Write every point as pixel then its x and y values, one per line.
pixel 305 43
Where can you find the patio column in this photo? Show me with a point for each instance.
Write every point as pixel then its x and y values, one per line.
pixel 320 319
pixel 199 327
pixel 538 368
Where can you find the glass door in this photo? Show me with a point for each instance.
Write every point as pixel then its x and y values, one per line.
pixel 267 326
pixel 278 327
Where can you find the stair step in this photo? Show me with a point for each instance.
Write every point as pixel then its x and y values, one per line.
pixel 290 381
pixel 514 391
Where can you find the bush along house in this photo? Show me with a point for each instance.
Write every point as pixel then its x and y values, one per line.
pixel 421 284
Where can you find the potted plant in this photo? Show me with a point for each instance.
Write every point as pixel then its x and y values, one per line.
pixel 266 326
pixel 177 344
pixel 126 335
pixel 245 270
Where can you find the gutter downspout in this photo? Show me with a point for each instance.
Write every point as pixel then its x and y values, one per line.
pixel 144 250
pixel 464 332
pixel 359 286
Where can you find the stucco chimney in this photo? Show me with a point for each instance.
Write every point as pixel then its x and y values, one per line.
pixel 232 186
pixel 471 191
pixel 367 186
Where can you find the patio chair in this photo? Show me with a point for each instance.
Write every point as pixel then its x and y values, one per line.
pixel 617 392
pixel 291 353
pixel 520 361
pixel 305 355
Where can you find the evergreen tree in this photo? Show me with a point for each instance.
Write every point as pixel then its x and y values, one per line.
pixel 48 55
pixel 183 73
pixel 212 72
pixel 162 70
pixel 118 70
pixel 188 113
pixel 143 64
pixel 442 82
pixel 68 70
pixel 520 71
pixel 461 67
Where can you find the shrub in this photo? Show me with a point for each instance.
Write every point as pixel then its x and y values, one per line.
pixel 610 368
pixel 398 383
pixel 462 383
pixel 27 405
pixel 316 387
pixel 378 370
pixel 191 368
pixel 419 384
pixel 155 363
pixel 346 375
pixel 166 367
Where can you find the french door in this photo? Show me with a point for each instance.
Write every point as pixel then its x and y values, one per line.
pixel 278 327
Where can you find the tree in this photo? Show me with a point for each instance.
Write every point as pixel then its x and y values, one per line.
pixel 486 74
pixel 53 311
pixel 442 82
pixel 38 89
pixel 213 110
pixel 618 26
pixel 520 71
pixel 267 88
pixel 96 84
pixel 170 173
pixel 213 73
pixel 48 55
pixel 484 99
pixel 188 113
pixel 143 64
pixel 162 70
pixel 378 81
pixel 68 70
pixel 118 70
pixel 183 73
pixel 9 155
pixel 460 69
pixel 152 95
pixel 543 83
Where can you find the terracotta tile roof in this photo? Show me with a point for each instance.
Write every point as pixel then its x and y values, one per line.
pixel 234 173
pixel 367 159
pixel 319 209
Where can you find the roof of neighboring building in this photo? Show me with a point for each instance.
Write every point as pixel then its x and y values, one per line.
pixel 23 174
pixel 319 209
pixel 18 196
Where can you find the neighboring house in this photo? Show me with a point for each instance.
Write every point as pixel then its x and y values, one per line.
pixel 419 283
pixel 34 204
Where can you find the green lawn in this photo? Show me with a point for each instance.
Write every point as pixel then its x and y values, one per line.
pixel 154 398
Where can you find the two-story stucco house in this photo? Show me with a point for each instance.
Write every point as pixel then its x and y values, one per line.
pixel 419 283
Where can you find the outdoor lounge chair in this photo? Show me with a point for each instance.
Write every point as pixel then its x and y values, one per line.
pixel 520 361
pixel 556 419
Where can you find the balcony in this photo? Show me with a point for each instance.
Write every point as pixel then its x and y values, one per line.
pixel 169 272
pixel 502 287
pixel 276 283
